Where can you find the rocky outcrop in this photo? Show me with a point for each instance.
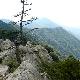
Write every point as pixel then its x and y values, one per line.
pixel 7 44
pixel 26 71
pixel 36 51
pixel 7 51
pixel 4 70
pixel 42 52
pixel 31 56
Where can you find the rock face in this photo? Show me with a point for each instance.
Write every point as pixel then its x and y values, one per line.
pixel 31 56
pixel 3 70
pixel 7 44
pixel 33 52
pixel 7 51
pixel 26 71
pixel 42 52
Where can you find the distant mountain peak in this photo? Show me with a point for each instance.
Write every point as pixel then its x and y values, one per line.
pixel 5 20
pixel 40 23
pixel 43 23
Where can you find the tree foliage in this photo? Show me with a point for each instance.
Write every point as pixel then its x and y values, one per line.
pixel 68 69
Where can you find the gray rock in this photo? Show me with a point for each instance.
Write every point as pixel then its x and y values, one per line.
pixel 7 44
pixel 3 70
pixel 9 52
pixel 26 71
pixel 32 52
pixel 29 44
pixel 1 40
pixel 30 55
pixel 43 53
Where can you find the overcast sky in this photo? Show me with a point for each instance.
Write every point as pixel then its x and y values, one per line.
pixel 63 12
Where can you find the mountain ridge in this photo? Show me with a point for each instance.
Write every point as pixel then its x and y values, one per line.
pixel 56 37
pixel 59 38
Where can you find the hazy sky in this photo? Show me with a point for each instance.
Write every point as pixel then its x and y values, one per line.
pixel 63 12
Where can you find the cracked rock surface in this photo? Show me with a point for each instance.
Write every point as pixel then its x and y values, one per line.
pixel 30 55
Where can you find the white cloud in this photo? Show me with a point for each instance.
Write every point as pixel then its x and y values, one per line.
pixel 8 8
pixel 63 12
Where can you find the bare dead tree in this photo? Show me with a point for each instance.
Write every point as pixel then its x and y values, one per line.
pixel 20 36
pixel 22 14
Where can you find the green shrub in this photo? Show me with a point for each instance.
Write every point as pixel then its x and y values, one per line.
pixel 12 63
pixel 52 52
pixel 0 60
pixel 68 69
pixel 54 56
pixel 48 48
